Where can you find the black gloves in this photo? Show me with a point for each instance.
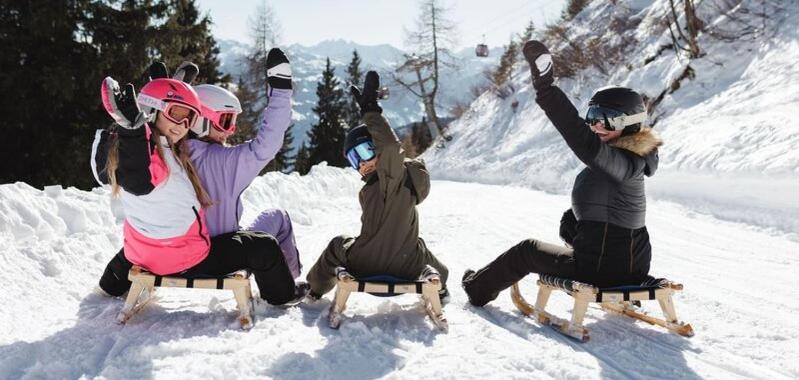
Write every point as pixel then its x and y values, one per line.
pixel 278 70
pixel 186 72
pixel 158 70
pixel 540 61
pixel 121 104
pixel 367 99
pixel 568 227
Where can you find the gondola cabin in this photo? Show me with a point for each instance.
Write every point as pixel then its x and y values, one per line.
pixel 481 50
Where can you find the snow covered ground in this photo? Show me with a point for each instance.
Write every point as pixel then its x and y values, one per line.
pixel 54 244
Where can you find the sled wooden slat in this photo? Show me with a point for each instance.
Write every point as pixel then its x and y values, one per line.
pixel 144 283
pixel 427 289
pixel 416 287
pixel 617 300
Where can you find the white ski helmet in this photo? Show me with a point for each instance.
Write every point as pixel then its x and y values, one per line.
pixel 219 109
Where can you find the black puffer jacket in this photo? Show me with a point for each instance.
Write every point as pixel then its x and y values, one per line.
pixel 611 243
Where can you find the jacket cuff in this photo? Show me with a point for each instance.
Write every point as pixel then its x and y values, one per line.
pixel 278 93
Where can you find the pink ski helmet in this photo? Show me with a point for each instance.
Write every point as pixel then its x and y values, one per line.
pixel 175 99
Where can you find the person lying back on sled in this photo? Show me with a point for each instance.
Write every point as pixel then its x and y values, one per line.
pixel 389 242
pixel 609 241
pixel 229 250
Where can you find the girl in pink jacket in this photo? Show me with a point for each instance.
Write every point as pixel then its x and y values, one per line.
pixel 163 198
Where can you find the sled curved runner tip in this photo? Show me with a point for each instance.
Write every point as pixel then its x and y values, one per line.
pixel 617 300
pixel 144 284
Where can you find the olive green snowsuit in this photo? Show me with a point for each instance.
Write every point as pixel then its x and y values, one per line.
pixel 389 242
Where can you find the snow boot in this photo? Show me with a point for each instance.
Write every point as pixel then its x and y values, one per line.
pixel 301 290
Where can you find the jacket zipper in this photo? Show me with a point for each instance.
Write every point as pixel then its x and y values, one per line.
pixel 602 253
pixel 631 251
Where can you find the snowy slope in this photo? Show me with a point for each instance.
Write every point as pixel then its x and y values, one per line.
pixel 402 108
pixel 730 132
pixel 54 244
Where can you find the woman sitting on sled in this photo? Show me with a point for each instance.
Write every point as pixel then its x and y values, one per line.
pixel 605 227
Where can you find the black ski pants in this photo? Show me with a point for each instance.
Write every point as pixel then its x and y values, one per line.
pixel 322 276
pixel 529 256
pixel 255 251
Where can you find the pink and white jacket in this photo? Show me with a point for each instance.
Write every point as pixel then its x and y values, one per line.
pixel 165 230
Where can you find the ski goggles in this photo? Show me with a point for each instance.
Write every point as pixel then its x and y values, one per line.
pixel 362 152
pixel 223 121
pixel 173 111
pixel 612 119
pixel 179 113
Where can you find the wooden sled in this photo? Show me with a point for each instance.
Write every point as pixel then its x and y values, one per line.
pixel 144 284
pixel 620 300
pixel 388 286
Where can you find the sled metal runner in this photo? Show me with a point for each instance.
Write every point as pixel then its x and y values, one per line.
pixel 428 289
pixel 617 300
pixel 144 284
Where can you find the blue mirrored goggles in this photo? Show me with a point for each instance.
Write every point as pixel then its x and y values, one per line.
pixel 362 152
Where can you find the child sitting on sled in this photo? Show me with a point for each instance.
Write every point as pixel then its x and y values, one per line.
pixel 389 242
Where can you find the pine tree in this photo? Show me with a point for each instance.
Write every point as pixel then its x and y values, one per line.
pixel 248 119
pixel 302 159
pixel 187 36
pixel 283 161
pixel 527 35
pixel 354 74
pixel 505 68
pixel 573 8
pixel 327 136
pixel 54 56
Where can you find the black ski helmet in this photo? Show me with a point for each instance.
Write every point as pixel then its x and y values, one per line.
pixel 621 99
pixel 356 136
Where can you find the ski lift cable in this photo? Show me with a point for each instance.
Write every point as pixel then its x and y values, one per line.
pixel 504 16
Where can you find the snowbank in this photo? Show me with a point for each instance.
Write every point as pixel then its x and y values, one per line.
pixel 58 240
pixel 733 124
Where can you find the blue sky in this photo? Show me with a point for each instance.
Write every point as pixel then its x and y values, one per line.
pixel 372 22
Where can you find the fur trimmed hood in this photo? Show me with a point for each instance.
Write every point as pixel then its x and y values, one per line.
pixel 641 143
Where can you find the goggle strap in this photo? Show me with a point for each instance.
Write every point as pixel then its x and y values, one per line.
pixel 627 120
pixel 149 101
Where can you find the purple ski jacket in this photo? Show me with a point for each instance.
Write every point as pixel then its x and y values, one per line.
pixel 226 171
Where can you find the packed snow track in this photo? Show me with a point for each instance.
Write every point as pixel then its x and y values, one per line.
pixel 54 244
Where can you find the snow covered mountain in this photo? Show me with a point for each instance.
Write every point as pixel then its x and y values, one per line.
pixel 402 108
pixel 728 122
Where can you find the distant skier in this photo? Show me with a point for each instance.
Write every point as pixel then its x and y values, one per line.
pixel 605 228
pixel 225 169
pixel 389 243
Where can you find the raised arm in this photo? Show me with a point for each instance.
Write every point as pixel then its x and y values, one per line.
pixel 387 146
pixel 139 168
pixel 243 162
pixel 249 158
pixel 616 163
pixel 388 149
